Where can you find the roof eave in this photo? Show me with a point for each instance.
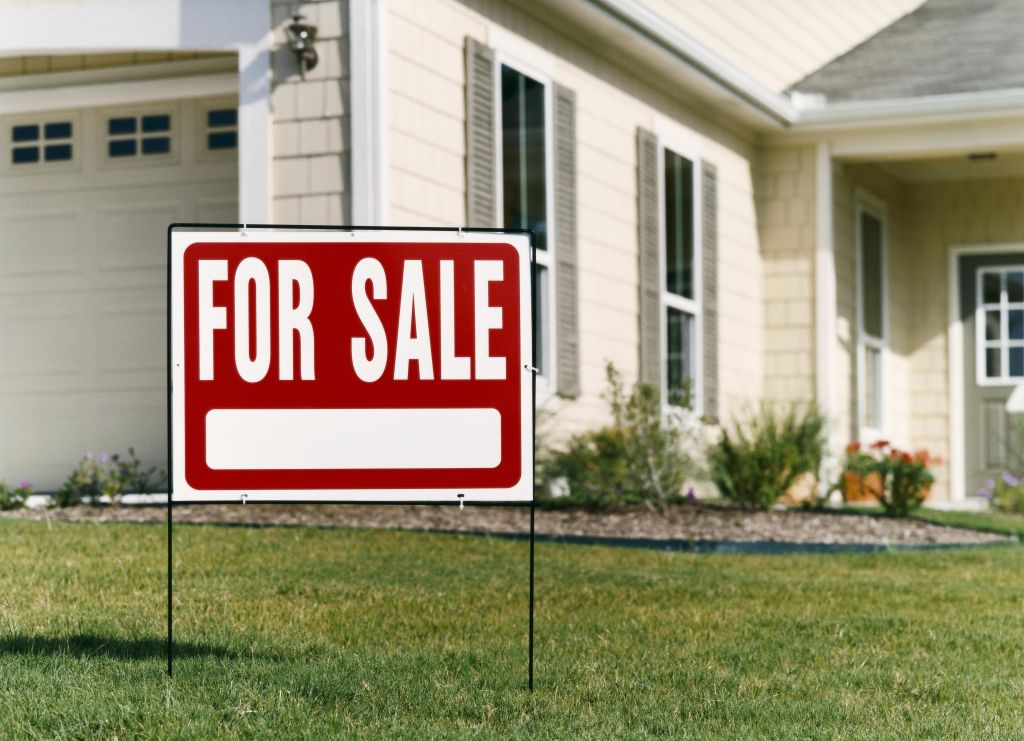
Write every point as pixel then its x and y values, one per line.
pixel 910 111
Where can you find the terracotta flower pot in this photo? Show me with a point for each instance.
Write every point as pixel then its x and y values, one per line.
pixel 857 488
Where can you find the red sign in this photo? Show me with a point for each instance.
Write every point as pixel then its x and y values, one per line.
pixel 343 366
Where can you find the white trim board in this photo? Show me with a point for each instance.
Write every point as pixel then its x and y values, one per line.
pixel 369 120
pixel 957 452
pixel 13 102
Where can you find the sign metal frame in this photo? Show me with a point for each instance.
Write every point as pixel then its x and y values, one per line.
pixel 448 497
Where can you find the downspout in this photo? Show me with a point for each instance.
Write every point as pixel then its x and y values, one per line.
pixel 368 86
pixel 824 296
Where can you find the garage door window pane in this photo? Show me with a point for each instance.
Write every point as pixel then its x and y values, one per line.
pixel 159 145
pixel 122 148
pixel 121 126
pixel 27 133
pixel 24 155
pixel 156 123
pixel 58 152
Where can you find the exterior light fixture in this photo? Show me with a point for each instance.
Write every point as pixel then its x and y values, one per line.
pixel 301 40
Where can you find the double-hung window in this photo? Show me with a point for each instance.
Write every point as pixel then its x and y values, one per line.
pixel 681 287
pixel 873 338
pixel 525 195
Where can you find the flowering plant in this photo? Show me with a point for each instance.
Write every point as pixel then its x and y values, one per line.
pixel 1006 493
pixel 901 479
pixel 13 497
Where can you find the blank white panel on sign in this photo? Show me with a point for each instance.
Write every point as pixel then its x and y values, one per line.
pixel 336 439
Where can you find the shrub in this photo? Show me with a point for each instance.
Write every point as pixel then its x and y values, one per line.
pixel 1005 493
pixel 96 478
pixel 766 453
pixel 902 480
pixel 645 455
pixel 13 497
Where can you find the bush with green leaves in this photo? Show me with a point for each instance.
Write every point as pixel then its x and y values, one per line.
pixel 13 497
pixel 644 456
pixel 766 452
pixel 105 477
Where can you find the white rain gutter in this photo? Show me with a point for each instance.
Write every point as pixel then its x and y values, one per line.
pixel 733 80
pixel 826 117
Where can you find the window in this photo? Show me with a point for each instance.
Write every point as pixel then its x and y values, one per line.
pixel 138 135
pixel 35 143
pixel 872 312
pixel 680 293
pixel 1000 325
pixel 222 129
pixel 524 160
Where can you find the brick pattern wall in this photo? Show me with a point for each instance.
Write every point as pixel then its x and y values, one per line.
pixel 312 169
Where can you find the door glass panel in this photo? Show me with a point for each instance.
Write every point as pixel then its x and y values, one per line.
pixel 991 325
pixel 1017 362
pixel 1016 317
pixel 992 362
pixel 990 288
pixel 1015 286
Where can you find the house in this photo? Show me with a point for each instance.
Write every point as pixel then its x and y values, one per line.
pixel 757 202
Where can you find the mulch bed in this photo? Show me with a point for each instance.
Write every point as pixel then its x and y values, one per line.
pixel 692 522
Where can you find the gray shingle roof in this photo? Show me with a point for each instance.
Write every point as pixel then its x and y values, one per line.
pixel 945 46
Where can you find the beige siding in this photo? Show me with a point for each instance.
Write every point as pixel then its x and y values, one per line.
pixel 782 41
pixel 786 225
pixel 311 172
pixel 944 215
pixel 427 178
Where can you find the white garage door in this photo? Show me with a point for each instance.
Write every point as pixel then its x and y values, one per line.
pixel 85 200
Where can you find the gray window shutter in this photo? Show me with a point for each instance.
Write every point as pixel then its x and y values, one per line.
pixel 481 151
pixel 709 303
pixel 650 259
pixel 567 330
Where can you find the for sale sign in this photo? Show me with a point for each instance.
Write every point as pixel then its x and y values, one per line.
pixel 351 366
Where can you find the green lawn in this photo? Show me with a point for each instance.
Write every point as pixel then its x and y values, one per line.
pixel 321 633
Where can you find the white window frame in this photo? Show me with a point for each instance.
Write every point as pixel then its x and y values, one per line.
pixel 875 208
pixel 694 306
pixel 138 160
pixel 1004 342
pixel 544 258
pixel 42 167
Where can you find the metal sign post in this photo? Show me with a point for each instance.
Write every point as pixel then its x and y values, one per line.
pixel 412 384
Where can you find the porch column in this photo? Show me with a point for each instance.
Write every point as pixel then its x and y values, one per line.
pixel 824 282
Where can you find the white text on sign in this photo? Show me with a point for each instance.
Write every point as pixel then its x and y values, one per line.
pixel 251 298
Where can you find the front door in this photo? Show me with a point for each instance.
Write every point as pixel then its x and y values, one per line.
pixel 992 312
